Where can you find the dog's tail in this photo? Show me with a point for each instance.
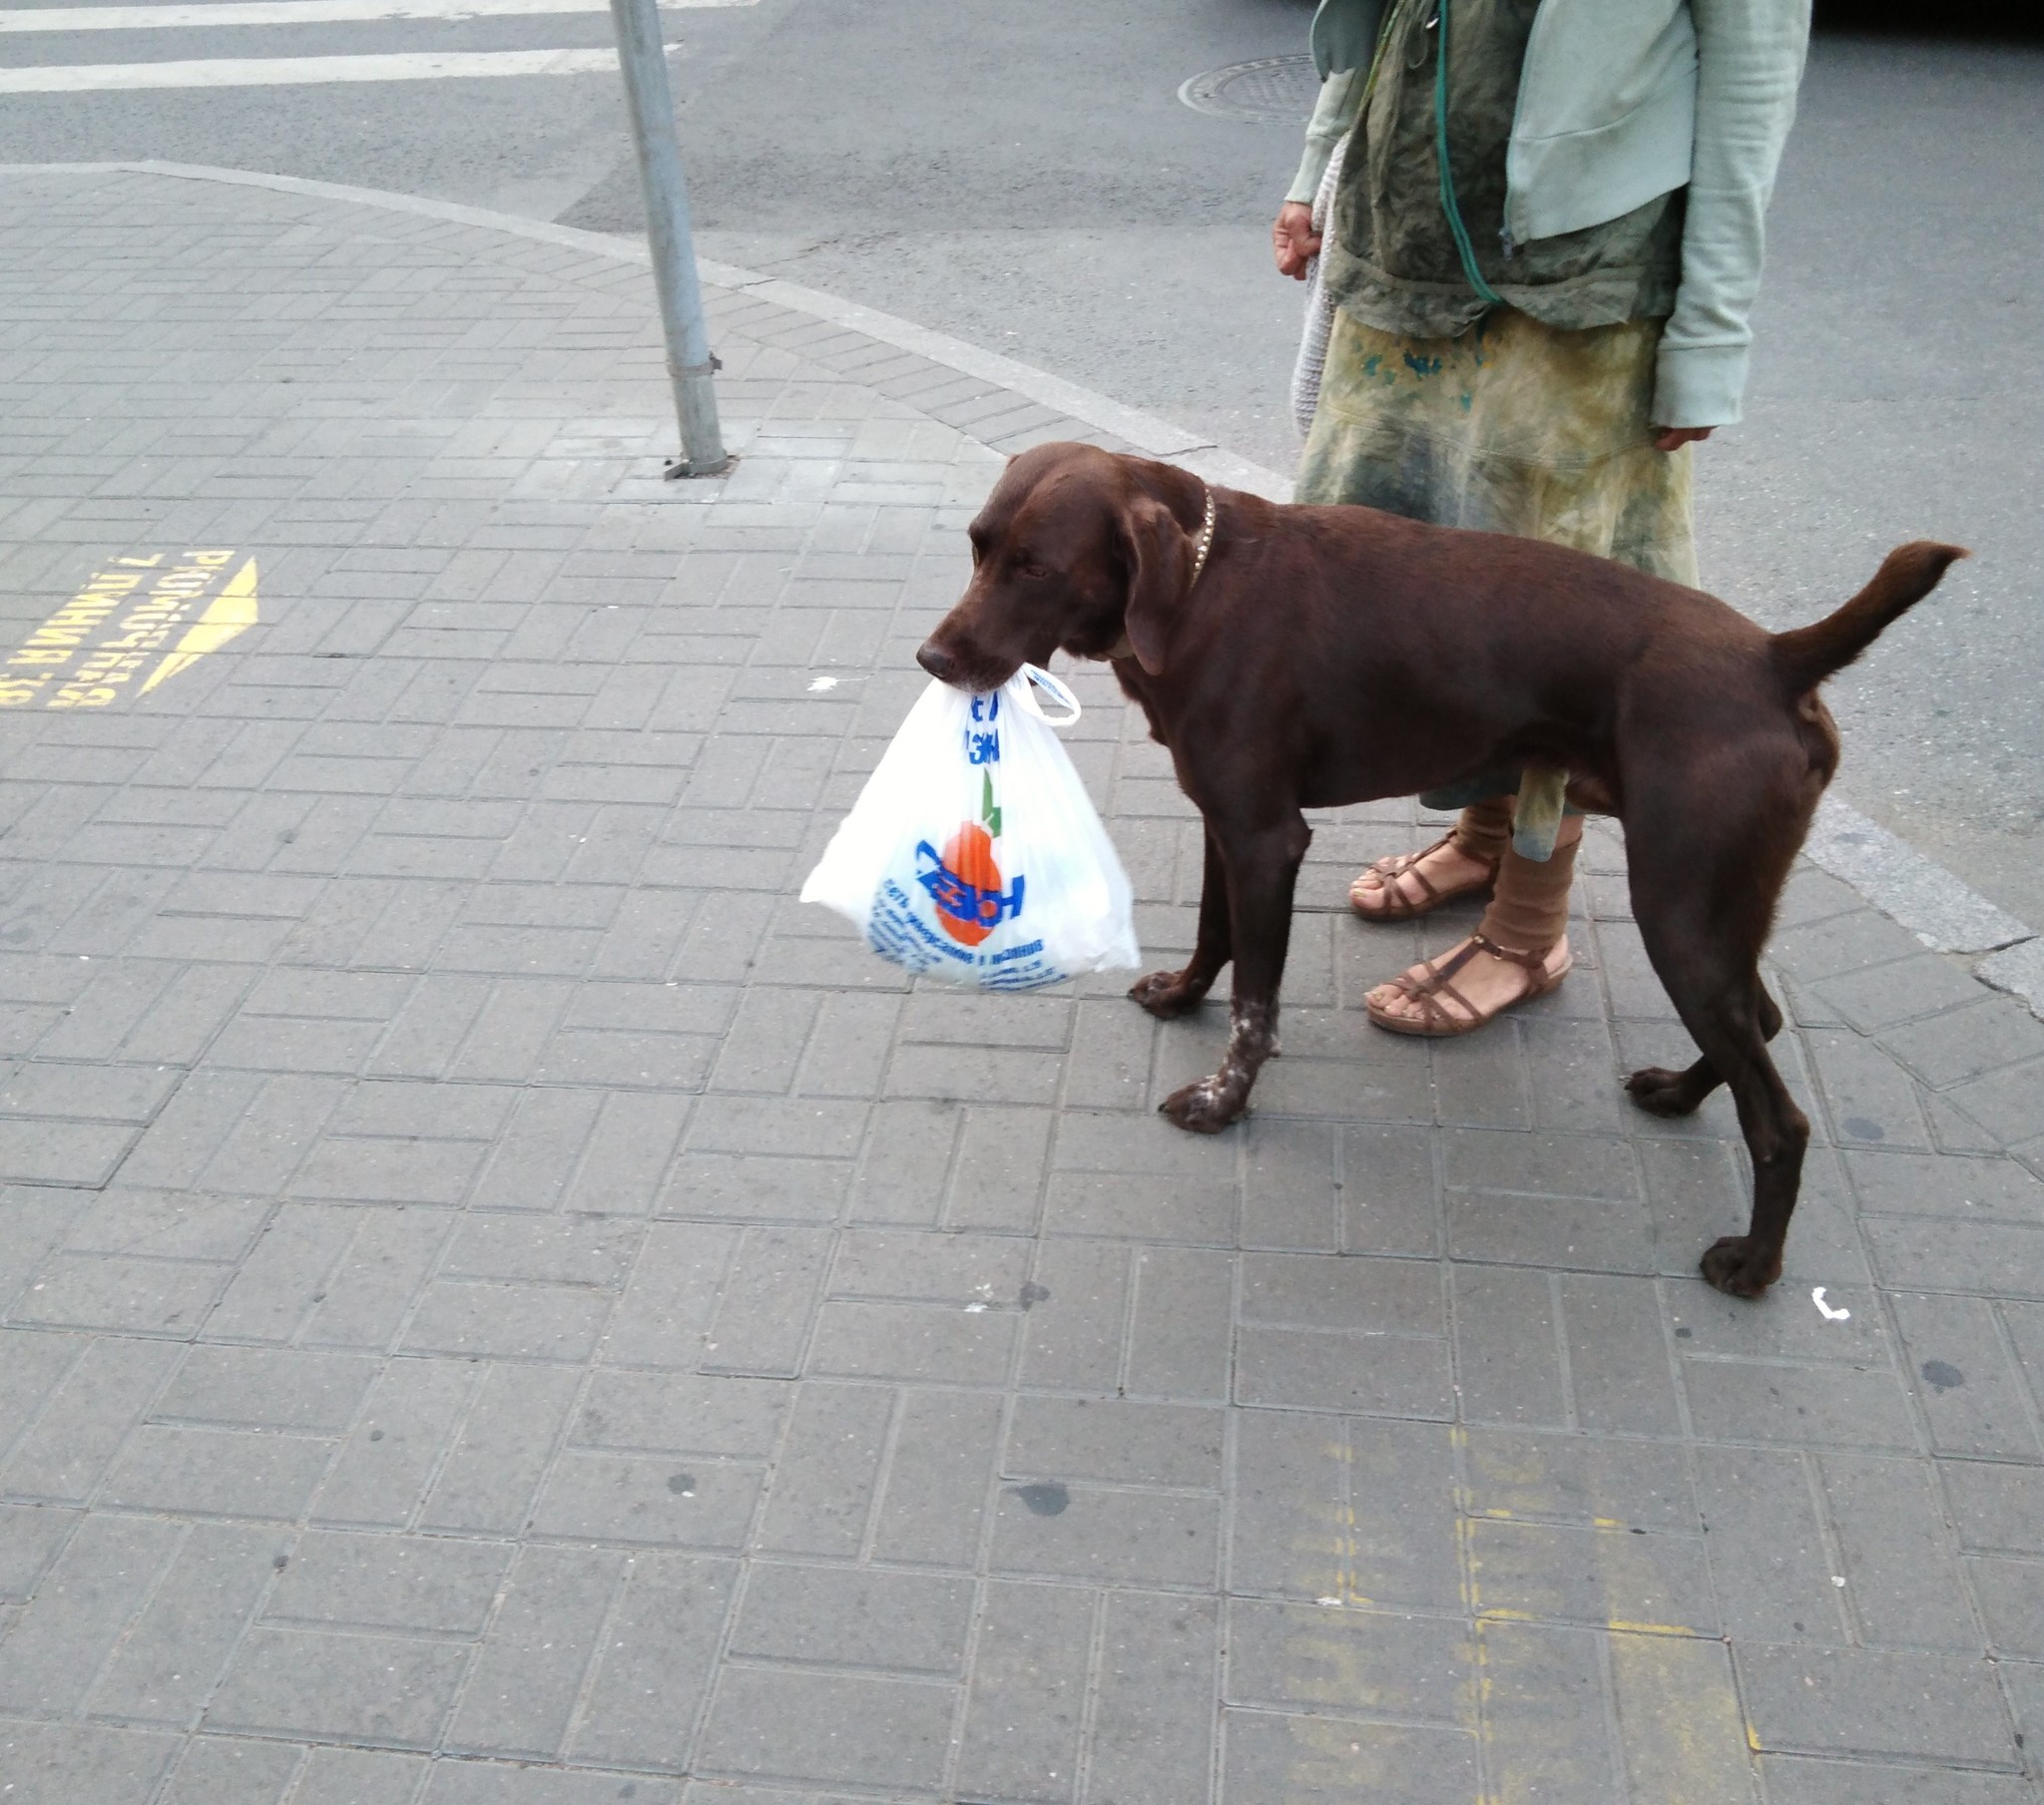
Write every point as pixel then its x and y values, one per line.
pixel 1808 655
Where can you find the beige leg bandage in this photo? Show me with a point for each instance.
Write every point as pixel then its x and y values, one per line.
pixel 1530 910
pixel 1485 829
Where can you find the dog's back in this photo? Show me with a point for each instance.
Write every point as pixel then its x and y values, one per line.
pixel 1554 651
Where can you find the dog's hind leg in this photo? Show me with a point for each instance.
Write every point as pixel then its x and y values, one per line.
pixel 1168 994
pixel 1661 1091
pixel 1261 869
pixel 1776 1136
pixel 1704 912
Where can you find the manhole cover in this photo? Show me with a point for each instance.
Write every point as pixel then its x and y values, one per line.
pixel 1271 88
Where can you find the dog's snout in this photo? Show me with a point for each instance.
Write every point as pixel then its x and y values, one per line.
pixel 937 661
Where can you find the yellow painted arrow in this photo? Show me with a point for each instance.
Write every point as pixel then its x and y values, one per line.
pixel 231 611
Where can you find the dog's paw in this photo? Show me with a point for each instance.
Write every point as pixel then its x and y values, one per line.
pixel 1166 995
pixel 1734 1267
pixel 1204 1108
pixel 1661 1091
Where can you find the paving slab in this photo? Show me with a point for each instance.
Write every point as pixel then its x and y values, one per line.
pixel 498 1302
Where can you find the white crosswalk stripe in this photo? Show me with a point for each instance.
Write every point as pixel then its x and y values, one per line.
pixel 269 72
pixel 213 13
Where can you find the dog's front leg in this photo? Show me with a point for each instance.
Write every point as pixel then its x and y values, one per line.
pixel 1261 868
pixel 1168 994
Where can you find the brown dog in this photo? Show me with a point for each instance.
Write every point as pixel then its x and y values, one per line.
pixel 1294 658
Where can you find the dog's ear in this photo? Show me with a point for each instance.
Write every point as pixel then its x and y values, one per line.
pixel 1159 555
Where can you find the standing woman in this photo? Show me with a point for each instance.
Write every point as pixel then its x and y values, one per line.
pixel 1542 242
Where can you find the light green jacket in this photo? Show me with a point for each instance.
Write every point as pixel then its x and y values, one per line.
pixel 1624 100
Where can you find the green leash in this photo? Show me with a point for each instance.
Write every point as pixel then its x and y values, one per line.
pixel 1542 791
pixel 1459 231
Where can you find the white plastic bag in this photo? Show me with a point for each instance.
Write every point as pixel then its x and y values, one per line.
pixel 974 853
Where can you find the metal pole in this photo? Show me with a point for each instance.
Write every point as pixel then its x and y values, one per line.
pixel 643 58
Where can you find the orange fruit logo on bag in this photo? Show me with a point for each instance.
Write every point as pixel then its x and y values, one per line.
pixel 965 882
pixel 969 856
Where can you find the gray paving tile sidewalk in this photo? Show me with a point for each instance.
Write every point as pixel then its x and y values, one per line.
pixel 504 1307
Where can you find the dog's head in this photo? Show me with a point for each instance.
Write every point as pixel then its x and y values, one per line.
pixel 1074 553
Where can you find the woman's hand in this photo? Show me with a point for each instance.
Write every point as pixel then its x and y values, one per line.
pixel 1673 438
pixel 1293 241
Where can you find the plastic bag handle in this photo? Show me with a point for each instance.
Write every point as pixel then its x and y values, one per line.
pixel 1035 677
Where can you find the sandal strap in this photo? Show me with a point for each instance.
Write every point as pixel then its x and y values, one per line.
pixel 1401 865
pixel 1536 963
pixel 1393 863
pixel 1395 866
pixel 1433 983
pixel 1429 989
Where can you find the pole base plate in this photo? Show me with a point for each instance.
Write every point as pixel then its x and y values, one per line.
pixel 678 469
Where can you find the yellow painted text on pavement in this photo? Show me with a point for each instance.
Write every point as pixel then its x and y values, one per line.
pixel 135 624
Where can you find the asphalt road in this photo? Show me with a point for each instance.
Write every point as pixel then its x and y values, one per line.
pixel 1026 178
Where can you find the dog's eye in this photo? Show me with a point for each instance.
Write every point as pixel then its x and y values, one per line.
pixel 1033 573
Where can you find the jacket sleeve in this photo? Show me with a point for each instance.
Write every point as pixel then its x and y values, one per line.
pixel 1344 34
pixel 1333 113
pixel 1749 56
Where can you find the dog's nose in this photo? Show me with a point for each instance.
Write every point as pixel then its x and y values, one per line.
pixel 936 660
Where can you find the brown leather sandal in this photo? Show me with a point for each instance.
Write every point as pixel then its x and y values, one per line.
pixel 1434 1022
pixel 1400 907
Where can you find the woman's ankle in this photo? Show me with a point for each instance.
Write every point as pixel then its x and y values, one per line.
pixel 1483 831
